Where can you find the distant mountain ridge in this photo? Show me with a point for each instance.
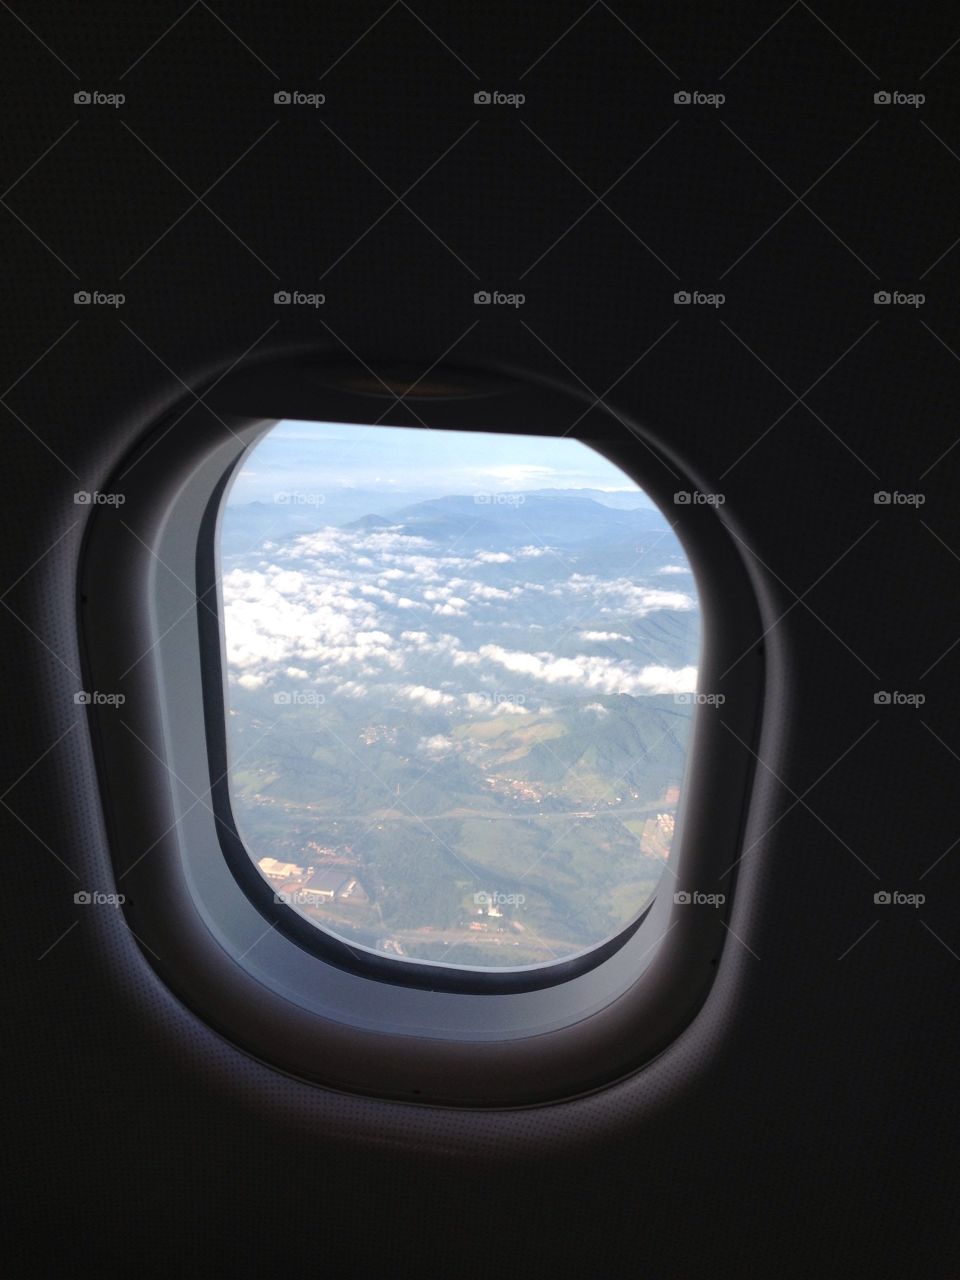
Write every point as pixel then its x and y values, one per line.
pixel 518 519
pixel 300 511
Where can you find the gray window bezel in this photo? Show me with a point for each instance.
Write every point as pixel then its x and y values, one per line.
pixel 252 982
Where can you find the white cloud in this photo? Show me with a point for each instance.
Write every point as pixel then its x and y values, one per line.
pixel 321 626
pixel 601 674
pixel 351 689
pixel 322 608
pixel 388 597
pixel 426 697
pixel 518 475
pixel 490 704
pixel 668 680
pixel 627 595
pixel 602 636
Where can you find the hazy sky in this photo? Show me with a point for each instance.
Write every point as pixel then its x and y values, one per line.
pixel 334 456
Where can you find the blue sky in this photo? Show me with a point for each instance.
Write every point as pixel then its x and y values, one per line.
pixel 328 457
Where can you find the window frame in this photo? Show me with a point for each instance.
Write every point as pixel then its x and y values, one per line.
pixel 379 1028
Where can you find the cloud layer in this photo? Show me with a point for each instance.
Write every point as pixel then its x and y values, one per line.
pixel 352 611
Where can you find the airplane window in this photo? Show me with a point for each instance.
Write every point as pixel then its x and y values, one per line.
pixel 461 674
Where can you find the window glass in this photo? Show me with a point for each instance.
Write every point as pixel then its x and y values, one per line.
pixel 461 671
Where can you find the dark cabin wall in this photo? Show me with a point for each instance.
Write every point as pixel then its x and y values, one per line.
pixel 804 1124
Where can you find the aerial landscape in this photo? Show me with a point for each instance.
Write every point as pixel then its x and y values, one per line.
pixel 460 700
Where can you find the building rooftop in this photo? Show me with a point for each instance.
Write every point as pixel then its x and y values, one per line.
pixel 328 880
